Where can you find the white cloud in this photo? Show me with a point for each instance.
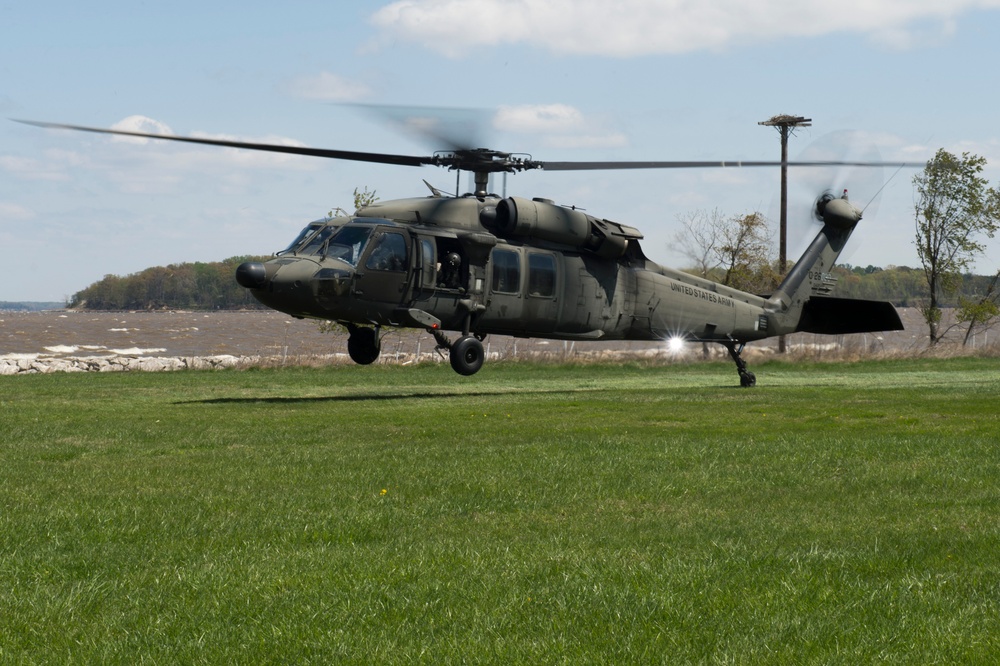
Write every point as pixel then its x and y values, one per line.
pixel 913 35
pixel 138 165
pixel 29 168
pixel 327 87
pixel 177 169
pixel 629 28
pixel 141 124
pixel 9 211
pixel 560 125
pixel 534 118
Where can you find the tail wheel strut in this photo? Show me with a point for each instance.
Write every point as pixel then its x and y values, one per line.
pixel 747 378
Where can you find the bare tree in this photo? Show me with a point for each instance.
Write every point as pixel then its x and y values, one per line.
pixel 734 251
pixel 954 210
pixel 699 239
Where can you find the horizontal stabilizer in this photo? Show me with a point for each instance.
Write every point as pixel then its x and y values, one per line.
pixel 838 316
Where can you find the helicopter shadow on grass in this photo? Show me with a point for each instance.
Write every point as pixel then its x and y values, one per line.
pixel 417 395
pixel 386 397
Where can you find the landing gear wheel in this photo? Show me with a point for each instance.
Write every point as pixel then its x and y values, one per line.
pixel 747 378
pixel 467 355
pixel 363 346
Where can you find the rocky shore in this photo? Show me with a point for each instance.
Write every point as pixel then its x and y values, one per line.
pixel 29 364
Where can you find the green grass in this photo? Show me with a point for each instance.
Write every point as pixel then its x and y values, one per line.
pixel 529 514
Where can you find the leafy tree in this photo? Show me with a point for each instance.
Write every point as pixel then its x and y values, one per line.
pixel 744 253
pixel 981 313
pixel 954 210
pixel 200 286
pixel 362 198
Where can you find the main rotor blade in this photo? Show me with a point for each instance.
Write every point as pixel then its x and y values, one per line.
pixel 382 158
pixel 477 160
pixel 602 166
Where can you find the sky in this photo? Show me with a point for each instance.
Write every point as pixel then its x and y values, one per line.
pixel 557 79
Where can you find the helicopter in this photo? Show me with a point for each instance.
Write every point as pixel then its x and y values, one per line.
pixel 482 264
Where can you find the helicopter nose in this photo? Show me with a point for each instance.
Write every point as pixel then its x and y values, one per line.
pixel 251 274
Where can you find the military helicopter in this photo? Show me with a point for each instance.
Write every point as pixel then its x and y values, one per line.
pixel 482 264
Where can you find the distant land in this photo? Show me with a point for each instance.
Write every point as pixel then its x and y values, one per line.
pixel 30 306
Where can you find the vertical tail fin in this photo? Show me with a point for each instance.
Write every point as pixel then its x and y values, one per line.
pixel 810 276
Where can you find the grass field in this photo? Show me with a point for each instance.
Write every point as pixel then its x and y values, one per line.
pixel 530 514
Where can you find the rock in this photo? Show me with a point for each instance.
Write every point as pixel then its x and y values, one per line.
pixel 42 364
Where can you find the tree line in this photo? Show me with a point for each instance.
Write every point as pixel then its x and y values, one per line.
pixel 188 286
pixel 902 286
pixel 211 286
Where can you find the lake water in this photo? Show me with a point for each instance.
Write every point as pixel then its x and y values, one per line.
pixel 268 333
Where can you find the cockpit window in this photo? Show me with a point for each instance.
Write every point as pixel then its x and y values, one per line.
pixel 315 244
pixel 348 243
pixel 304 234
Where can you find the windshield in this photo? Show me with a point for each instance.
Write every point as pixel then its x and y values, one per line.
pixel 348 243
pixel 314 244
pixel 309 230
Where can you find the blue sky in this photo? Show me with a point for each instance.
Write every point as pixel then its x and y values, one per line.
pixel 559 79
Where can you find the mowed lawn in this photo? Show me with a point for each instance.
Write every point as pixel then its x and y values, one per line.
pixel 529 514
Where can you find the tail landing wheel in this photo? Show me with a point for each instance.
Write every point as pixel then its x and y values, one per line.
pixel 747 378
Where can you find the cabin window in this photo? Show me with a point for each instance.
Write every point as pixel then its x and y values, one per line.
pixel 541 275
pixel 506 272
pixel 427 264
pixel 450 266
pixel 389 253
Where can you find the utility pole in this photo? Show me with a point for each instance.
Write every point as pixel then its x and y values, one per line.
pixel 786 126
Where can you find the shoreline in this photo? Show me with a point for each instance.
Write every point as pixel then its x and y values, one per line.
pixel 86 341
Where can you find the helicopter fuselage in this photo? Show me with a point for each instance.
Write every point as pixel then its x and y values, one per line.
pixel 387 271
pixel 450 265
pixel 482 265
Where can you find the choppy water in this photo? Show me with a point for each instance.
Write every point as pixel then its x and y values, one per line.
pixel 270 333
pixel 249 333
pixel 65 333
